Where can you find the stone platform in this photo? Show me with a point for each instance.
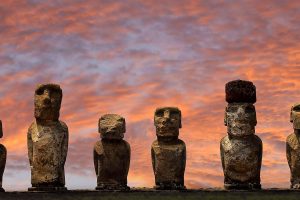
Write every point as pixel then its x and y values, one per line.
pixel 149 194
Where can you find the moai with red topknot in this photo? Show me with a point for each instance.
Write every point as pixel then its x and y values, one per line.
pixel 293 147
pixel 112 154
pixel 47 140
pixel 241 149
pixel 3 154
pixel 168 152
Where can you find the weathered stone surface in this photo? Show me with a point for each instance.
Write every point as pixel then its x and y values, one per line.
pixel 241 149
pixel 112 154
pixel 3 154
pixel 240 119
pixel 241 162
pixel 112 126
pixel 168 152
pixel 293 147
pixel 47 141
pixel 240 91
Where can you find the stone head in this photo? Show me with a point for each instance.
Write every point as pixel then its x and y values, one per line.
pixel 240 114
pixel 112 126
pixel 167 121
pixel 47 101
pixel 295 115
pixel 1 131
pixel 240 119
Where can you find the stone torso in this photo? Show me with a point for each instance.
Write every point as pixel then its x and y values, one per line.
pixel 293 155
pixel 48 155
pixel 241 159
pixel 168 160
pixel 112 160
pixel 3 153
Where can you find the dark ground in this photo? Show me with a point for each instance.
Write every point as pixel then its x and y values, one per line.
pixel 140 194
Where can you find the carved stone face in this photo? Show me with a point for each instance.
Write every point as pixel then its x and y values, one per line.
pixel 240 119
pixel 167 121
pixel 47 101
pixel 112 126
pixel 295 116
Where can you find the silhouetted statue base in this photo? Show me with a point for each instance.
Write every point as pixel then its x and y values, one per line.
pixel 169 186
pixel 46 189
pixel 242 186
pixel 115 187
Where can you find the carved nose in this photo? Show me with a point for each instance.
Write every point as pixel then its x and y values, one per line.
pixel 113 129
pixel 240 112
pixel 47 101
pixel 167 115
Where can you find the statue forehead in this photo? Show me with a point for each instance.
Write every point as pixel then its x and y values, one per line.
pixel 296 105
pixel 49 86
pixel 173 109
pixel 111 118
pixel 240 104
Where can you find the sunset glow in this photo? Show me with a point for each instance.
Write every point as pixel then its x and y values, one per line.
pixel 130 57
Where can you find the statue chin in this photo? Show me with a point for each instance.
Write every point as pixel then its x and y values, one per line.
pixel 46 115
pixel 241 131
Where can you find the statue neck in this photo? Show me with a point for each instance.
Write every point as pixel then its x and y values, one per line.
pixel 167 139
pixel 297 132
pixel 45 121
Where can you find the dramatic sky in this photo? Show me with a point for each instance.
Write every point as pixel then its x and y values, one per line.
pixel 129 57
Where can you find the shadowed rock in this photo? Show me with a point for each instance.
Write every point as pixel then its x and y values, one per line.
pixel 168 152
pixel 293 147
pixel 240 91
pixel 241 149
pixel 47 140
pixel 112 154
pixel 3 154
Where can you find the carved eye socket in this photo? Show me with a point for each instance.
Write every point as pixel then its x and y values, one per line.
pixel 40 91
pixel 232 109
pixel 249 109
pixel 174 113
pixel 159 113
pixel 296 109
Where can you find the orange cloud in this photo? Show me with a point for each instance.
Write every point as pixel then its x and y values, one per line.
pixel 131 57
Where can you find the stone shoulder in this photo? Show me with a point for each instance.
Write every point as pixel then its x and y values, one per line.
pixel 181 142
pixel 64 126
pixel 2 148
pixel 154 143
pixel 126 144
pixel 257 139
pixel 224 140
pixel 292 140
pixel 31 127
pixel 98 148
pixel 290 137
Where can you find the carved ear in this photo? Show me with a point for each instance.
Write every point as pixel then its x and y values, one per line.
pixel 124 125
pixel 180 124
pixel 291 115
pixel 225 116
pixel 1 131
pixel 99 124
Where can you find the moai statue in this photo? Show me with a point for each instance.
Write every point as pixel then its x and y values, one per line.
pixel 168 152
pixel 241 149
pixel 3 154
pixel 47 140
pixel 112 154
pixel 293 147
